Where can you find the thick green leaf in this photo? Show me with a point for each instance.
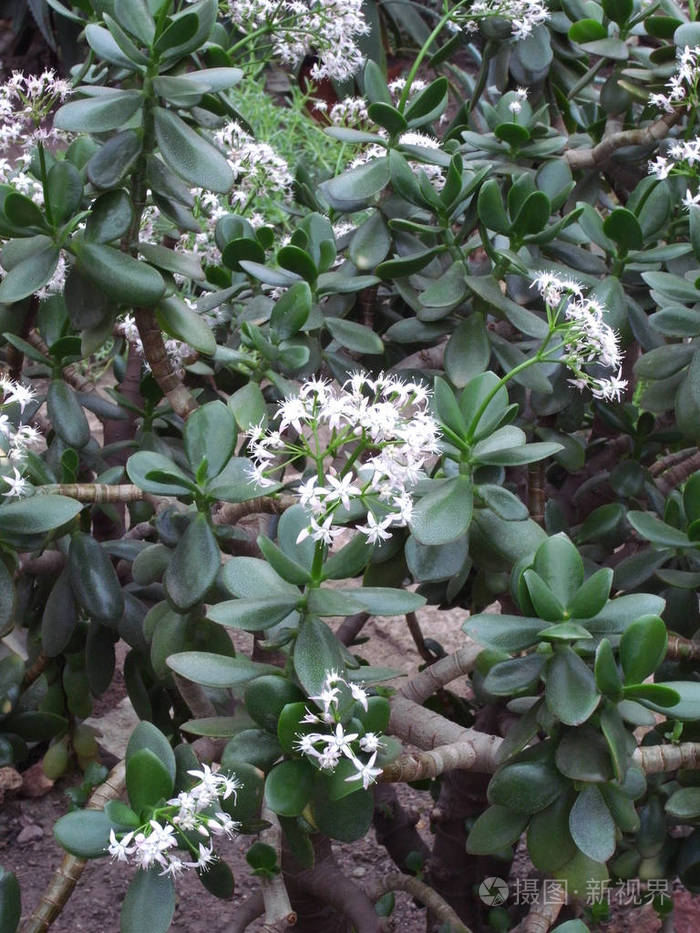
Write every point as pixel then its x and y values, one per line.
pixel 140 465
pixel 210 433
pixel 504 632
pixel 383 601
pixel 355 336
pixel 37 515
pixel 194 565
pixel 684 804
pixel 255 746
pixel 623 227
pixel 248 576
pixel 124 279
pixel 253 615
pixel 149 903
pixel 64 189
pixel 354 189
pixel 114 159
pixel 444 514
pixel 67 415
pixel 147 780
pixel 592 595
pixel 179 320
pixel 653 529
pixel 29 276
pixel 291 311
pixel 527 785
pixel 468 350
pixel 551 823
pixel 316 651
pixel 146 735
pixel 607 676
pixel 496 828
pixel 370 243
pixel 189 155
pixel 346 820
pixel 288 787
pixel 216 670
pixel 10 902
pixel 582 755
pixel 559 564
pixel 94 579
pixel 643 648
pixel 108 111
pixel 571 690
pixel 592 826
pixel 508 677
pixel 84 833
pixel 110 217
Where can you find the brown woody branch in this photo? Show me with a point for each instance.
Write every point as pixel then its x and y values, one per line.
pixel 230 513
pixel 544 911
pixel 418 766
pixel 442 672
pixel 181 399
pixel 98 492
pixel 422 892
pixel 601 154
pixel 656 758
pixel 682 649
pixel 71 373
pixel 664 463
pixel 429 730
pixel 678 473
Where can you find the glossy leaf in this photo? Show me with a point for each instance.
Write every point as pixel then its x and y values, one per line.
pixel 149 903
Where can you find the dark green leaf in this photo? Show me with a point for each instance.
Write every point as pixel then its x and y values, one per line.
pixel 149 903
pixel 189 155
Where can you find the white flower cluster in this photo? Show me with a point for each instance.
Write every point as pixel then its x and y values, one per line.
pixel 256 165
pixel 586 338
pixel 524 15
pixel 352 111
pixel 682 158
pixel 516 105
pixel 15 173
pixel 327 29
pixel 326 749
pixel 153 843
pixel 368 441
pixel 15 440
pixel 25 102
pixel 682 87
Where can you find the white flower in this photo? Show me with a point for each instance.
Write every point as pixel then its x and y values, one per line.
pixel 341 740
pixel 690 199
pixel 359 695
pixel 206 857
pixel 374 530
pixel 119 849
pixel 19 486
pixel 367 773
pixel 16 392
pixel 370 742
pixel 174 867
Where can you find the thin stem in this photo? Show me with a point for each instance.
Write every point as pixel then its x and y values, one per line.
pixel 499 385
pixel 47 200
pixel 423 52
